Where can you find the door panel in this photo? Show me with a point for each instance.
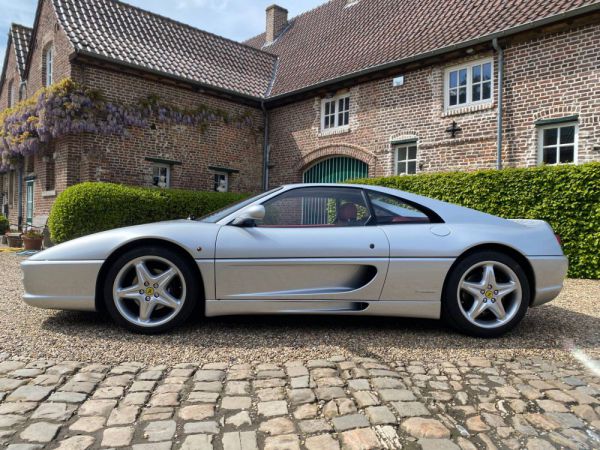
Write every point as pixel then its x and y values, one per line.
pixel 324 263
pixel 29 202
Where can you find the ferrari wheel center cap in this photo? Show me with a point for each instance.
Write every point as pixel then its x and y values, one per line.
pixel 149 291
pixel 489 294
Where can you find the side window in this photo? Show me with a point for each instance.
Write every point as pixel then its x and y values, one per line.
pixel 317 207
pixel 393 210
pixel 48 65
pixel 161 175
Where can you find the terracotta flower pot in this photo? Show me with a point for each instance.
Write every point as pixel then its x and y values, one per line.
pixel 32 243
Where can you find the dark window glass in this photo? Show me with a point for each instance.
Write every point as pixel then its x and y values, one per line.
pixel 453 97
pixel 476 74
pixel 476 92
pixel 316 207
pixel 402 153
pixel 453 79
pixel 412 153
pixel 550 155
pixel 567 135
pixel 550 136
pixel 462 77
pixel 567 154
pixel 487 71
pixel 393 210
pixel 412 167
pixel 462 95
pixel 487 91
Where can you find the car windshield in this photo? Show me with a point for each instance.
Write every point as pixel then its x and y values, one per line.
pixel 224 212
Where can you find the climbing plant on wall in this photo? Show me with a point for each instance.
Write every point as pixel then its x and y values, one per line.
pixel 68 108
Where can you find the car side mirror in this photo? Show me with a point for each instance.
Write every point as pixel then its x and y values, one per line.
pixel 249 215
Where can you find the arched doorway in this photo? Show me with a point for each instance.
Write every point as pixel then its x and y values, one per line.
pixel 336 169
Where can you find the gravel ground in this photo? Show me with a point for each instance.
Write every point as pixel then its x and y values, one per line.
pixel 547 332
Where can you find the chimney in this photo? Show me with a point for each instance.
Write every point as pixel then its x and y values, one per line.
pixel 277 20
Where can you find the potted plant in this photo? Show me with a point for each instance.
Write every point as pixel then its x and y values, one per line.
pixel 32 240
pixel 4 228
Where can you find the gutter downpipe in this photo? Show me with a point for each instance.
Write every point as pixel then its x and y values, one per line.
pixel 500 52
pixel 20 196
pixel 265 148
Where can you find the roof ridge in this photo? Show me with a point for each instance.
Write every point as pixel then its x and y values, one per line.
pixel 186 25
pixel 15 24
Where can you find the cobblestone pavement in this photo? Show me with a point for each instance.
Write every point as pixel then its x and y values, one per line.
pixel 356 403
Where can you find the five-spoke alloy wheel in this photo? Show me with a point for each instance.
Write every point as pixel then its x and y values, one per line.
pixel 150 290
pixel 486 294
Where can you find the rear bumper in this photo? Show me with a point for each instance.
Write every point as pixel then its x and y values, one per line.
pixel 69 285
pixel 549 273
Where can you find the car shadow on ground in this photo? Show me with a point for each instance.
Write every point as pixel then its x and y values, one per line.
pixel 547 327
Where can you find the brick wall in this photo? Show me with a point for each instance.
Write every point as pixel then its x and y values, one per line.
pixel 551 76
pixel 12 76
pixel 123 159
pixel 49 33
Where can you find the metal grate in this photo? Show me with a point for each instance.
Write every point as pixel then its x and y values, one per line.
pixel 336 170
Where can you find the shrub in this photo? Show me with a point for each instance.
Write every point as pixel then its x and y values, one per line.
pixel 88 208
pixel 4 224
pixel 568 197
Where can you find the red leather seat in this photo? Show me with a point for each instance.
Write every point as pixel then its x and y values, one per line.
pixel 347 214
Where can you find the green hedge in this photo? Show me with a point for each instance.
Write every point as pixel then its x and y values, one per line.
pixel 88 208
pixel 4 224
pixel 568 197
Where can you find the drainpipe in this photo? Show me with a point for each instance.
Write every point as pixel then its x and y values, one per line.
pixel 265 148
pixel 500 52
pixel 20 197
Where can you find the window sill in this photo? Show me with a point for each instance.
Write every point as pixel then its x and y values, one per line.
pixel 467 109
pixel 46 194
pixel 334 131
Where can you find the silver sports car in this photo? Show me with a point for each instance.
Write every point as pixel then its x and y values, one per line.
pixel 310 249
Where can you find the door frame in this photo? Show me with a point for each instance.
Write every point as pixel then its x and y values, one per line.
pixel 28 218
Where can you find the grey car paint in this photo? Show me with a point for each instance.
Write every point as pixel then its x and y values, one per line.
pixel 400 268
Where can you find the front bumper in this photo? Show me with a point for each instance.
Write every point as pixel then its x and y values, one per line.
pixel 549 273
pixel 68 285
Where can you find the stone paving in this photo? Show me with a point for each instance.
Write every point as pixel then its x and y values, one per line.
pixel 336 403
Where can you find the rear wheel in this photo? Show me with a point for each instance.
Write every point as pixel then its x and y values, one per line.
pixel 150 290
pixel 486 295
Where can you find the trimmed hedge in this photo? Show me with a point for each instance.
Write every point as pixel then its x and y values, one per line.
pixel 4 224
pixel 568 197
pixel 88 208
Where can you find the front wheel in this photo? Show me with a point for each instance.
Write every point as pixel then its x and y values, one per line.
pixel 150 290
pixel 486 294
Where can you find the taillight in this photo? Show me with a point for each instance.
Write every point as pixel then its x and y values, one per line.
pixel 558 239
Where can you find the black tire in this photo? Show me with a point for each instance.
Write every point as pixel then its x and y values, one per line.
pixel 451 309
pixel 192 295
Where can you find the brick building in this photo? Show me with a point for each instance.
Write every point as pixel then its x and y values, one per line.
pixel 351 88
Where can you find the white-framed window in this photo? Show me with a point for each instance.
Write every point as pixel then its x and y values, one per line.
pixel 48 65
pixel 469 84
pixel 161 175
pixel 23 91
pixel 558 143
pixel 335 112
pixel 406 158
pixel 221 182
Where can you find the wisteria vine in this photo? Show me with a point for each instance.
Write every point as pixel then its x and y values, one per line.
pixel 68 108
